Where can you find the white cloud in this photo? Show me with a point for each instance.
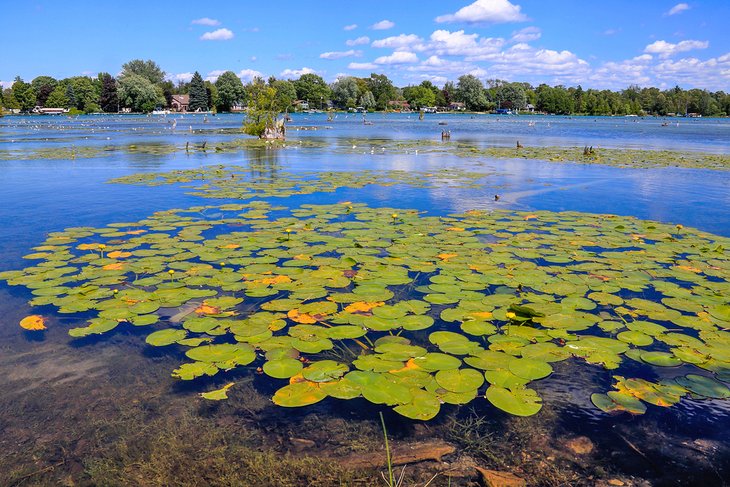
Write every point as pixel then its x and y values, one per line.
pixel 249 74
pixel 666 49
pixel 611 32
pixel 486 11
pixel 383 25
pixel 444 42
pixel 180 77
pixel 358 42
pixel 206 21
pixel 350 27
pixel 678 9
pixel 296 73
pixel 364 66
pixel 397 42
pixel 8 84
pixel 253 59
pixel 340 54
pixel 217 35
pixel 213 75
pixel 713 73
pixel 526 35
pixel 398 57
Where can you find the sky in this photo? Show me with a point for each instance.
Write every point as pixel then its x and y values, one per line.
pixel 595 43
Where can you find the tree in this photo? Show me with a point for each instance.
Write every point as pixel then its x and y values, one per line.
pixel 382 89
pixel 43 86
pixel 261 116
pixel 312 87
pixel 139 94
pixel 24 94
pixel 512 96
pixel 9 100
pixel 286 94
pixel 367 100
pixel 198 94
pixel 85 94
pixel 211 92
pixel 147 69
pixel 419 96
pixel 448 92
pixel 108 100
pixel 470 91
pixel 57 98
pixel 230 91
pixel 345 92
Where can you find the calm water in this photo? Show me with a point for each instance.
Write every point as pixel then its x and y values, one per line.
pixel 43 195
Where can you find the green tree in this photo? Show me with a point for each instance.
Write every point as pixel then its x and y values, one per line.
pixel 86 94
pixel 147 69
pixel 286 94
pixel 419 96
pixel 470 91
pixel 382 89
pixel 198 94
pixel 43 86
pixel 139 94
pixel 109 99
pixel 9 100
pixel 24 94
pixel 345 92
pixel 312 88
pixel 230 91
pixel 512 96
pixel 262 113
pixel 211 92
pixel 57 98
pixel 367 100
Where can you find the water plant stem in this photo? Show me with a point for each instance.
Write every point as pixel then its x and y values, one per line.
pixel 391 479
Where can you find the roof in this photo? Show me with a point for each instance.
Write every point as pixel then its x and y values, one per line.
pixel 182 99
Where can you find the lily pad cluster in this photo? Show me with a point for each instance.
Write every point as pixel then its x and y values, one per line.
pixel 246 183
pixel 401 308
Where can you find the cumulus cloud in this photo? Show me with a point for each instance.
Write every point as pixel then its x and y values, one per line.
pixel 206 21
pixel 398 57
pixel 383 25
pixel 486 12
pixel 678 9
pixel 358 42
pixel 249 74
pixel 526 35
pixel 340 54
pixel 296 73
pixel 364 66
pixel 397 42
pixel 444 42
pixel 213 75
pixel 217 35
pixel 709 74
pixel 180 77
pixel 666 49
pixel 350 27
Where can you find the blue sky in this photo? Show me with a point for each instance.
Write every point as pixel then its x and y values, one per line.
pixel 598 44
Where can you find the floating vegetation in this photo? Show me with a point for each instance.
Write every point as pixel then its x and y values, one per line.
pixel 633 158
pixel 405 309
pixel 245 183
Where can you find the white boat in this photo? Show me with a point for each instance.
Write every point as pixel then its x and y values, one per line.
pixel 160 112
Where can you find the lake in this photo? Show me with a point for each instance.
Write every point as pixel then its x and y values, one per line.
pixel 456 228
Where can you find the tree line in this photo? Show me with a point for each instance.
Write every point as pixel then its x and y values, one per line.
pixel 142 87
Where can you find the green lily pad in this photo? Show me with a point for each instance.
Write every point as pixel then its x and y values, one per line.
pixel 518 402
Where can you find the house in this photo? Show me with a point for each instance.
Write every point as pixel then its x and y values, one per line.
pixel 530 108
pixel 301 105
pixel 180 103
pixel 457 106
pixel 398 105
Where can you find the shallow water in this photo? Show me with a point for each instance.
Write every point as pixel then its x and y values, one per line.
pixel 42 196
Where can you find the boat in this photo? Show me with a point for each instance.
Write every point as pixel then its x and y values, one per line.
pixel 160 111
